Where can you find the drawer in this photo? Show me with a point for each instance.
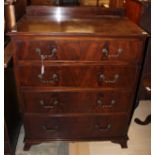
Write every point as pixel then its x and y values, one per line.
pixel 42 2
pixel 78 76
pixel 77 102
pixel 92 50
pixel 75 127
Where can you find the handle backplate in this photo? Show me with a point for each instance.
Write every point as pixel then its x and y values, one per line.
pixel 54 79
pixel 100 103
pixel 106 51
pixel 52 129
pixel 53 104
pixel 53 51
pixel 101 128
pixel 103 78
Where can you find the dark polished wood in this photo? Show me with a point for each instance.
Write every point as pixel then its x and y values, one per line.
pixel 76 77
pixel 56 26
pixel 122 142
pixel 67 50
pixel 62 102
pixel 82 11
pixel 74 127
pixel 134 9
pixel 116 3
pixel 20 8
pixel 94 76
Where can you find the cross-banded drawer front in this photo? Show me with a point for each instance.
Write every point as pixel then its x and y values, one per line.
pixel 59 50
pixel 75 127
pixel 77 102
pixel 78 76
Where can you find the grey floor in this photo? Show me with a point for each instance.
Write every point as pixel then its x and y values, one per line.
pixel 138 144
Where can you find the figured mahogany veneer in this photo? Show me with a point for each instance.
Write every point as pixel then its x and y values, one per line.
pixel 76 75
pixel 62 50
pixel 91 102
pixel 74 127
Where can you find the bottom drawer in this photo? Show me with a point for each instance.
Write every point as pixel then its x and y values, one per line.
pixel 75 127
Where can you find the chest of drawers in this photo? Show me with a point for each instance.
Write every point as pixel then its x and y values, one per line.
pixel 76 78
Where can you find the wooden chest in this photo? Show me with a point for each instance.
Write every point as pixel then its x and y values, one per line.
pixel 76 77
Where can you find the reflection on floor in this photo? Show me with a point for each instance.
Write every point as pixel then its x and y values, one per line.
pixel 138 144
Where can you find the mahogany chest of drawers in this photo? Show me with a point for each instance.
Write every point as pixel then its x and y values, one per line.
pixel 76 77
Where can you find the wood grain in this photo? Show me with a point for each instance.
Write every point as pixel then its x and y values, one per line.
pixel 79 73
pixel 77 102
pixel 79 127
pixel 79 76
pixel 80 50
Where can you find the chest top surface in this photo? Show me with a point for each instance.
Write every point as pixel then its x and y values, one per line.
pixel 59 23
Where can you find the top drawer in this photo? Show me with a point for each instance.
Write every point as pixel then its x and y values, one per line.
pixel 81 50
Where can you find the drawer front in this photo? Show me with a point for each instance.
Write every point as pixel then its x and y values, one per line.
pixel 128 50
pixel 78 76
pixel 42 2
pixel 77 102
pixel 75 127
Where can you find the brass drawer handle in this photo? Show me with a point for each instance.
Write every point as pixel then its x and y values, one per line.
pixel 102 129
pixel 54 79
pixel 55 103
pixel 53 129
pixel 105 51
pixel 103 78
pixel 101 104
pixel 53 52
